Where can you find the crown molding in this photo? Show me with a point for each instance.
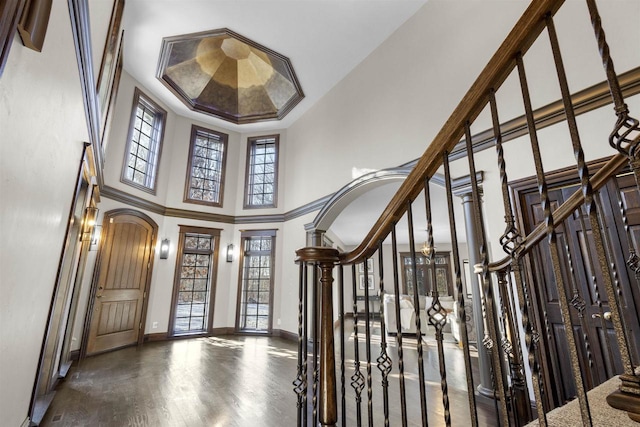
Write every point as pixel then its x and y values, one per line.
pixel 140 203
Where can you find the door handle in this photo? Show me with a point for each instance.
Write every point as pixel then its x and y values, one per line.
pixel 606 315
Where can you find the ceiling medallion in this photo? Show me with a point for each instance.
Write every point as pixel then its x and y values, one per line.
pixel 226 75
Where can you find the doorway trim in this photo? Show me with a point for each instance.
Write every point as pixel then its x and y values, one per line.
pixel 96 274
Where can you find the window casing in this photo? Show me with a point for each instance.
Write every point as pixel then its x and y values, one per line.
pixel 194 283
pixel 261 183
pixel 255 290
pixel 144 143
pixel 206 169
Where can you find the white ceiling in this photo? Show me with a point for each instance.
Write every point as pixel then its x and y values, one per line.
pixel 324 39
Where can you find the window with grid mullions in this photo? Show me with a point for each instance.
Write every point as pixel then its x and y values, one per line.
pixel 193 293
pixel 142 155
pixel 262 172
pixel 205 172
pixel 256 285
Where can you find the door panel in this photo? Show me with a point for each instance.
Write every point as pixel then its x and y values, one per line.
pixel 123 278
pixel 598 352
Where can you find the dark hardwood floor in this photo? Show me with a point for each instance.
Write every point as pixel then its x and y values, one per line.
pixel 240 381
pixel 217 381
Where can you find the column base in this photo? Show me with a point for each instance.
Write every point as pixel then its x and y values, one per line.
pixel 487 392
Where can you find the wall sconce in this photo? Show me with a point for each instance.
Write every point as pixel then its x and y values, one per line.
pixel 95 237
pixel 230 252
pixel 164 249
pixel 88 226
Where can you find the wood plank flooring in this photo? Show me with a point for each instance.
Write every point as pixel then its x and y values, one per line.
pixel 242 381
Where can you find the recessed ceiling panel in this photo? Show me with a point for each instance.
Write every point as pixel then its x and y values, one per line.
pixel 226 75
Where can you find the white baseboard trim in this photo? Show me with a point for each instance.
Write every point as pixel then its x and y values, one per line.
pixel 26 422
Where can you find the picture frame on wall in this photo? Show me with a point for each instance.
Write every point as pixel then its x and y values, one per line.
pixel 371 281
pixel 369 267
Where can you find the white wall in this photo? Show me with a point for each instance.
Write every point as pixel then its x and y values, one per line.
pixel 43 130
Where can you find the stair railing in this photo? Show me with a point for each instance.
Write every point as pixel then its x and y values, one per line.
pixel 337 387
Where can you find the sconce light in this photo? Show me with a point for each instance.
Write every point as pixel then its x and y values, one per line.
pixel 88 227
pixel 95 237
pixel 164 249
pixel 230 252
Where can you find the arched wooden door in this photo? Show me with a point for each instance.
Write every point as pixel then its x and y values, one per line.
pixel 123 272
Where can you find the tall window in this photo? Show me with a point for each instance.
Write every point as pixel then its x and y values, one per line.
pixel 256 281
pixel 194 287
pixel 262 172
pixel 205 173
pixel 144 143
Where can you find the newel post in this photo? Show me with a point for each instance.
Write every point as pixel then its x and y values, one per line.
pixel 325 259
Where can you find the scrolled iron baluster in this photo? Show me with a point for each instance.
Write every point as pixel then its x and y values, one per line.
pixel 512 243
pixel 300 383
pixel 383 360
pixel 437 314
pixel 473 410
pixel 343 391
pixel 396 292
pixel 553 248
pixel 367 338
pixel 579 304
pixel 487 289
pixel 416 306
pixel 623 141
pixel 357 379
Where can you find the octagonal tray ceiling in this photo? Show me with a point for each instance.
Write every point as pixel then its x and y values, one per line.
pixel 226 75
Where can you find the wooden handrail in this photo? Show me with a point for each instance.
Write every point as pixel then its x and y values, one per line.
pixel 495 72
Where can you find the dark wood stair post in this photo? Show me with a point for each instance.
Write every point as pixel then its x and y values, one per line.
pixel 325 259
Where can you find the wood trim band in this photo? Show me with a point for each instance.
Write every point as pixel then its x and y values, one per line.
pixel 79 15
pixel 138 202
pixel 583 101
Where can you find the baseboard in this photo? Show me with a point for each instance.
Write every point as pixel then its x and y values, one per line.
pixel 164 336
pixel 26 422
pixel 223 331
pixel 161 336
pixel 290 336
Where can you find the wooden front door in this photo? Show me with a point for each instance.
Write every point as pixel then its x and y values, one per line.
pixel 123 276
pixel 594 334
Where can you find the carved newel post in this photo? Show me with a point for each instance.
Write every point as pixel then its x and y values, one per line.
pixel 325 259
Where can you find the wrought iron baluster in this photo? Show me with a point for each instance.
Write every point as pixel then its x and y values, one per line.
pixel 416 307
pixel 437 314
pixel 396 290
pixel 505 344
pixel 384 361
pixel 300 383
pixel 487 288
pixel 367 337
pixel 511 242
pixel 343 391
pixel 316 334
pixel 462 315
pixel 519 382
pixel 553 247
pixel 357 379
